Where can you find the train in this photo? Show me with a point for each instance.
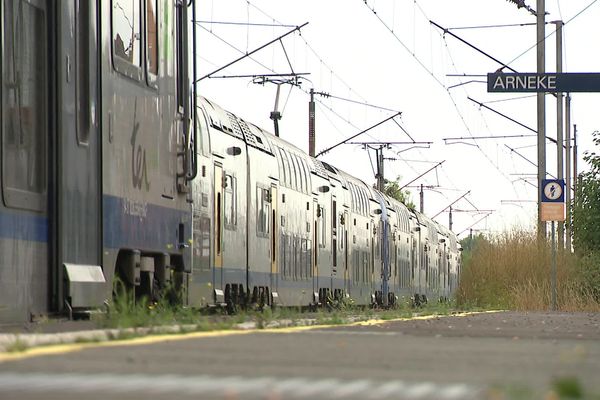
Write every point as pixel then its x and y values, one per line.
pixel 117 177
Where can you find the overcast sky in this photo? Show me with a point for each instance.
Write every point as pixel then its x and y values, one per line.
pixel 386 53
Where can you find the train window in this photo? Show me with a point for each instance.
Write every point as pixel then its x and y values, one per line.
pixel 203 135
pixel 25 105
pixel 366 273
pixel 342 234
pixel 287 169
pixel 322 227
pixel 201 248
pixel 263 211
pixel 302 258
pixel 230 202
pixel 334 217
pixel 152 36
pixel 308 266
pixel 283 255
pixel 83 63
pixel 361 206
pixel 283 268
pixel 296 171
pixel 126 33
pixel 293 172
pixel 306 175
pixel 180 59
pixel 300 173
pixel 280 163
pixel 290 257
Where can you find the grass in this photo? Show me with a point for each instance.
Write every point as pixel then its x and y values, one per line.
pixel 17 346
pixel 125 313
pixel 513 272
pixel 563 388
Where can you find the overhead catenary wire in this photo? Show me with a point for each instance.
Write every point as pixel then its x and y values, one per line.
pixel 330 109
pixel 510 99
pixel 359 133
pixel 491 26
pixel 552 32
pixel 503 65
pixel 244 24
pixel 473 224
pixel 362 103
pixel 423 65
pixel 439 82
pixel 333 73
pixel 248 54
pixel 235 48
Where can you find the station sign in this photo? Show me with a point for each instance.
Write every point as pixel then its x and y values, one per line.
pixel 553 200
pixel 551 83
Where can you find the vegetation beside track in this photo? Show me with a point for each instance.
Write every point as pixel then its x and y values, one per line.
pixel 512 271
pixel 125 313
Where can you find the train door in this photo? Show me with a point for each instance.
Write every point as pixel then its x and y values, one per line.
pixel 343 233
pixel 274 240
pixel 27 180
pixel 334 239
pixel 78 190
pixel 218 224
pixel 395 273
pixel 315 258
pixel 371 272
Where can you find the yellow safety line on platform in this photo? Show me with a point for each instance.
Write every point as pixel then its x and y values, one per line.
pixel 138 341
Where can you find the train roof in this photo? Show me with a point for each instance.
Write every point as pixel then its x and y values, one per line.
pixel 255 136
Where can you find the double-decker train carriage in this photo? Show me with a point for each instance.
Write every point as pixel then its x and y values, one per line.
pixel 95 152
pixel 275 226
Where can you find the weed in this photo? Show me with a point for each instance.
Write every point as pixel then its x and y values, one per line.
pixel 568 388
pixel 511 392
pixel 88 340
pixel 17 346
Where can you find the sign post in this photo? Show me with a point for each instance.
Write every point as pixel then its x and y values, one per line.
pixel 553 209
pixel 547 82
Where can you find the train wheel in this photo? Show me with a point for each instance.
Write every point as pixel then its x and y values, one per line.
pixel 416 300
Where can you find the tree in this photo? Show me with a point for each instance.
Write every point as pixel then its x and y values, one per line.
pixel 393 189
pixel 586 221
pixel 586 208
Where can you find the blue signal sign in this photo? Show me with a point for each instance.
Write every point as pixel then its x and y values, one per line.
pixel 553 191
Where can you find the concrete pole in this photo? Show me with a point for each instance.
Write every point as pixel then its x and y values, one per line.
pixel 553 279
pixel 541 110
pixel 559 125
pixel 568 169
pixel 311 124
pixel 422 195
pixel 575 177
pixel 380 179
pixel 450 219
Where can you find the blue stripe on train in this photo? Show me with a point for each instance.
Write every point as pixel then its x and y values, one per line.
pixel 126 225
pixel 18 225
pixel 141 225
